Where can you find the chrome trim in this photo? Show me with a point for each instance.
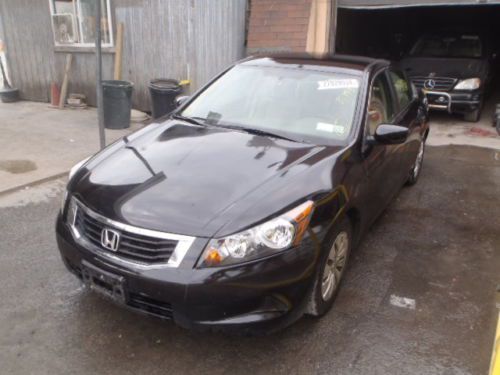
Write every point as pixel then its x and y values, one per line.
pixel 444 83
pixel 183 244
pixel 438 106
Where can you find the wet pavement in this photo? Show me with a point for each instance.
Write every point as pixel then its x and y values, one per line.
pixel 32 131
pixel 418 298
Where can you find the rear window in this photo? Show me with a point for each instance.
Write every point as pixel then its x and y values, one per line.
pixel 439 46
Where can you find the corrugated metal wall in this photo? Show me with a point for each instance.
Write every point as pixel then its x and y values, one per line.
pixel 184 39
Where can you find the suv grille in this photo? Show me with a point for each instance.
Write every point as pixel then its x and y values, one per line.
pixel 440 83
pixel 131 246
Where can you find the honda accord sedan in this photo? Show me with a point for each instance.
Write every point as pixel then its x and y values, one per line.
pixel 240 208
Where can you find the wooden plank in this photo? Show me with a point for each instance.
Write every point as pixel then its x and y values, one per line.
pixel 64 87
pixel 119 51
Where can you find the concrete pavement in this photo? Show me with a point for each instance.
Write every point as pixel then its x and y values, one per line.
pixel 418 298
pixel 38 142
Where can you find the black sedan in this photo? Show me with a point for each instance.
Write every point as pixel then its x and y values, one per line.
pixel 241 207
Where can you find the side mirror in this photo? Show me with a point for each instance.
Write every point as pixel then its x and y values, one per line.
pixel 180 100
pixel 391 134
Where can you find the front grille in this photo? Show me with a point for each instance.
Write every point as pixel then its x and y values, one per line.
pixel 132 246
pixel 440 83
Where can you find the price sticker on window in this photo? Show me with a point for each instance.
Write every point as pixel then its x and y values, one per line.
pixel 336 84
pixel 330 128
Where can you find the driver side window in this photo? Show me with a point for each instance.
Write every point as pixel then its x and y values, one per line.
pixel 380 108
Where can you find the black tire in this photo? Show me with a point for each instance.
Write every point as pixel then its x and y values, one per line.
pixel 416 169
pixel 473 116
pixel 318 305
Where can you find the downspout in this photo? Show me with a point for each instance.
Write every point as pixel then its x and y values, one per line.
pixel 321 28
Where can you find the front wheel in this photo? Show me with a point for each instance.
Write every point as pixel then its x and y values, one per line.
pixel 331 269
pixel 417 166
pixel 473 116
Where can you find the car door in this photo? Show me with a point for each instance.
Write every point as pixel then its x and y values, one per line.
pixel 381 162
pixel 408 114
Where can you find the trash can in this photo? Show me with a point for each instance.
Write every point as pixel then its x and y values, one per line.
pixel 117 100
pixel 9 95
pixel 163 93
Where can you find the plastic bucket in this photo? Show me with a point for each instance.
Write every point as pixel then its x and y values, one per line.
pixel 163 93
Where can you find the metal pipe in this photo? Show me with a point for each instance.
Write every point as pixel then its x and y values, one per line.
pixel 100 108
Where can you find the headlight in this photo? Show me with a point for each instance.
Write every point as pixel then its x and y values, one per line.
pixel 72 172
pixel 76 167
pixel 468 84
pixel 266 239
pixel 64 197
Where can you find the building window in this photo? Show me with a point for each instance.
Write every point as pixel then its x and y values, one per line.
pixel 73 22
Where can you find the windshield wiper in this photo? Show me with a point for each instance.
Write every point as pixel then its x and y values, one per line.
pixel 207 122
pixel 192 120
pixel 257 132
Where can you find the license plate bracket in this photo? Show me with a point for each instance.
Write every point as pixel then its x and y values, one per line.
pixel 103 282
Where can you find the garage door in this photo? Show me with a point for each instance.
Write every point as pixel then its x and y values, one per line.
pixel 388 29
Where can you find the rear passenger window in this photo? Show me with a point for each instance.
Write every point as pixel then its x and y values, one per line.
pixel 402 89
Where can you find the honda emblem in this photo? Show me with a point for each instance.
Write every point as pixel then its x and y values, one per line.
pixel 110 239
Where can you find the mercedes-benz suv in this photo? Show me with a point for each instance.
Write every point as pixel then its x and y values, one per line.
pixel 453 70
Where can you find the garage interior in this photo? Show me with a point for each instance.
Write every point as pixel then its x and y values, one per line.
pixel 389 32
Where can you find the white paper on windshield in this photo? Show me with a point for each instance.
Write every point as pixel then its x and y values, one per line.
pixel 330 128
pixel 336 84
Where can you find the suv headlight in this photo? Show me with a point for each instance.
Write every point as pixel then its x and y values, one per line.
pixel 468 84
pixel 266 239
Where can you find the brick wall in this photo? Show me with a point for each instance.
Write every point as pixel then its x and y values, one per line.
pixel 278 25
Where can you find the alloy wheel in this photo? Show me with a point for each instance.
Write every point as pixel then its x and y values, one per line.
pixel 334 266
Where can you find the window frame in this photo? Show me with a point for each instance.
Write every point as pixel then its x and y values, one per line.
pixel 385 73
pixel 411 94
pixel 76 4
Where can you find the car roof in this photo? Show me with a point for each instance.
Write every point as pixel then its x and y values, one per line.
pixel 333 62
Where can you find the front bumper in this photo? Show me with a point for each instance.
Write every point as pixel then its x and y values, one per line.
pixel 455 101
pixel 262 295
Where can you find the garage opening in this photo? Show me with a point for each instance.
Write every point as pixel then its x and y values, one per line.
pixel 392 31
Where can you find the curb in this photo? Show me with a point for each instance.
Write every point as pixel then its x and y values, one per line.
pixel 33 183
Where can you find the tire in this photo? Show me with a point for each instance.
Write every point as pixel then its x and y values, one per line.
pixel 473 116
pixel 327 281
pixel 415 170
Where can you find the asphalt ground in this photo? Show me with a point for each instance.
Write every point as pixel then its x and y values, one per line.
pixel 418 297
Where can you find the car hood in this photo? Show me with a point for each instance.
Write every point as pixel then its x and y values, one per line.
pixel 193 180
pixel 445 67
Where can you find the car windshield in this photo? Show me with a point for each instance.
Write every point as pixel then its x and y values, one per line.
pixel 438 46
pixel 300 104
